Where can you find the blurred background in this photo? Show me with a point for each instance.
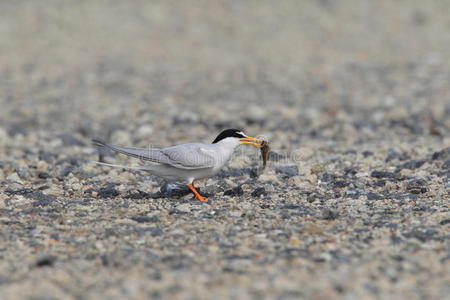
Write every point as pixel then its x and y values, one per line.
pixel 84 68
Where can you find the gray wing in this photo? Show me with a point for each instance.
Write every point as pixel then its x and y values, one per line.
pixel 188 156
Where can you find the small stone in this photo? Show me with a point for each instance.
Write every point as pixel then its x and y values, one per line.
pixel 43 175
pixel 76 186
pixel 107 192
pixel 14 177
pixel 373 196
pixel 421 234
pixel 70 140
pixel 41 198
pixel 268 178
pixel 382 174
pixel 317 169
pixel 46 261
pixel 330 214
pixel 326 177
pixel 367 154
pixel 237 191
pixel 312 228
pixel 442 155
pixel 144 131
pixel 22 172
pixel 184 208
pixel 311 178
pixel 287 170
pixel 446 165
pixel 144 219
pixel 46 156
pixel 236 213
pixel 42 166
pixel 411 165
pixel 444 222
pixel 417 186
pixel 258 192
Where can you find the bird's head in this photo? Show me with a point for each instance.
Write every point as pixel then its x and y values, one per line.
pixel 236 137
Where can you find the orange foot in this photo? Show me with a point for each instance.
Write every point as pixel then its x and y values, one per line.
pixel 196 193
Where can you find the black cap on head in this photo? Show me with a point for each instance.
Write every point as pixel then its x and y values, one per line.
pixel 229 133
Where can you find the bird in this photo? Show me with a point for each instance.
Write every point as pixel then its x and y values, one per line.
pixel 186 163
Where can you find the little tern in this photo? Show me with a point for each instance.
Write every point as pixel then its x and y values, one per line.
pixel 186 163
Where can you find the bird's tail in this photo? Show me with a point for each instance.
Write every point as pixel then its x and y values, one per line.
pixel 142 168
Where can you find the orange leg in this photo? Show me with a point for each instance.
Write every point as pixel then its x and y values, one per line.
pixel 197 195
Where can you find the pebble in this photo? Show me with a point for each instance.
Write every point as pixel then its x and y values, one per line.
pixel 258 192
pixel 417 186
pixel 382 174
pixel 184 208
pixel 14 177
pixel 287 170
pixel 234 192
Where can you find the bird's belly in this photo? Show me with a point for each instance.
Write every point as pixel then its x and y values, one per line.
pixel 182 175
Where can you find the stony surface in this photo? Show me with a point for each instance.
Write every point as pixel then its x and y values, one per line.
pixel 354 97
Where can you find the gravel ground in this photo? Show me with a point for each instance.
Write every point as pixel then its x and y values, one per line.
pixel 354 97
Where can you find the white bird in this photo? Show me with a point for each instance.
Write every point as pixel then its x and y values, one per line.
pixel 186 163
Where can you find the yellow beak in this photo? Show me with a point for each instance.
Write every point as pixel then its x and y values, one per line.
pixel 251 141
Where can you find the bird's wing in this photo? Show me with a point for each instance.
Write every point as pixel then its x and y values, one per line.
pixel 187 156
pixel 190 156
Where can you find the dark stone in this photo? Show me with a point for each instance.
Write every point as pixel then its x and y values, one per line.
pixel 340 183
pixel 382 174
pixel 66 170
pixel 381 182
pixel 41 198
pixel 395 239
pixel 258 192
pixel 46 156
pixel 145 219
pixel 417 186
pixel 373 196
pixel 396 155
pixel 446 165
pixel 326 177
pixel 107 192
pixel 441 155
pixel 138 195
pixel 211 190
pixel 420 207
pixel 403 196
pixel 422 234
pixel 287 170
pixel 444 222
pixel 237 191
pixel 174 190
pixel 410 165
pixel 16 129
pixel 330 214
pixel 46 261
pixel 43 175
pixel 367 154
